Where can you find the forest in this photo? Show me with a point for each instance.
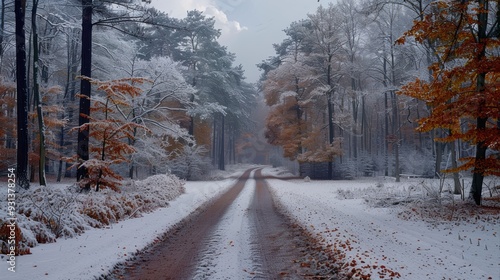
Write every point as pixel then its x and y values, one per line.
pixel 132 145
pixel 108 90
pixel 394 88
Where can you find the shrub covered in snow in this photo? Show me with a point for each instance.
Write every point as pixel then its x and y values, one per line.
pixel 191 163
pixel 47 213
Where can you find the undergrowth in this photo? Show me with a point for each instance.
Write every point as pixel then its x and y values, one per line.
pixel 45 214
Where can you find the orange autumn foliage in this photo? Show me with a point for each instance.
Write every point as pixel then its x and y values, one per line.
pixel 8 127
pixel 465 80
pixel 296 120
pixel 110 131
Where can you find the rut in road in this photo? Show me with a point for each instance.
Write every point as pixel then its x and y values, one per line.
pixel 269 247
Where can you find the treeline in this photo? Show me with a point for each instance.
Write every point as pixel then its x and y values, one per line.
pixel 389 87
pixel 114 89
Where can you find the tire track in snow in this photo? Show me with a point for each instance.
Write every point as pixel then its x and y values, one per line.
pixel 228 252
pixel 174 257
pixel 240 235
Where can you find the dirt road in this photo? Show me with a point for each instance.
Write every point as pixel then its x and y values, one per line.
pixel 238 236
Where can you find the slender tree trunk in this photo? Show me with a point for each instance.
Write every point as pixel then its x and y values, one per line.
pixel 22 96
pixel 395 132
pixel 330 115
pixel 221 143
pixel 86 71
pixel 454 164
pixel 439 157
pixel 69 95
pixel 214 141
pixel 38 101
pixel 2 27
pixel 61 144
pixel 330 133
pixel 478 176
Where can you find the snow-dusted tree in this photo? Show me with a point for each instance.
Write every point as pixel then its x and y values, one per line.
pixel 326 49
pixel 297 111
pixel 190 162
pixel 464 84
pixel 352 27
pixel 163 104
pixel 198 50
pixel 219 85
pixel 109 132
pixel 116 14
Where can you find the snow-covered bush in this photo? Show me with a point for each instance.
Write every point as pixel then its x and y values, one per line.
pixel 107 207
pixel 190 163
pixel 366 165
pixel 54 208
pixel 348 170
pixel 417 162
pixel 49 212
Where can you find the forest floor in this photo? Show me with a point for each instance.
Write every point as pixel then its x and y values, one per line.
pixel 253 225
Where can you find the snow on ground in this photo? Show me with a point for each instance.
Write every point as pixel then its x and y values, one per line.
pixel 378 241
pixel 229 252
pixel 96 251
pixel 378 238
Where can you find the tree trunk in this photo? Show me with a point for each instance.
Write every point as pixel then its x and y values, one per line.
pixel 69 92
pixel 478 176
pixel 61 144
pixel 454 164
pixel 22 96
pixel 86 71
pixel 395 132
pixel 214 141
pixel 330 133
pixel 386 139
pixel 330 115
pixel 2 26
pixel 476 188
pixel 439 158
pixel 221 143
pixel 38 101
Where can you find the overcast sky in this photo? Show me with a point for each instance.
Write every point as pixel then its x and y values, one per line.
pixel 249 27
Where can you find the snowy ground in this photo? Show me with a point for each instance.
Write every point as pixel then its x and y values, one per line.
pixel 378 238
pixel 96 251
pixel 392 239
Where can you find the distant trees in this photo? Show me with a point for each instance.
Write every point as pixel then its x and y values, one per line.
pixel 318 74
pixel 343 62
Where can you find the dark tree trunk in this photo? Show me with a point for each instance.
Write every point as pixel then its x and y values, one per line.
pixel 330 115
pixel 454 164
pixel 22 96
pixel 478 176
pixel 214 141
pixel 221 145
pixel 2 26
pixel 330 133
pixel 61 144
pixel 85 88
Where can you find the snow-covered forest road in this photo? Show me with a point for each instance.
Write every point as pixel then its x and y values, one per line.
pixel 239 236
pixel 253 223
